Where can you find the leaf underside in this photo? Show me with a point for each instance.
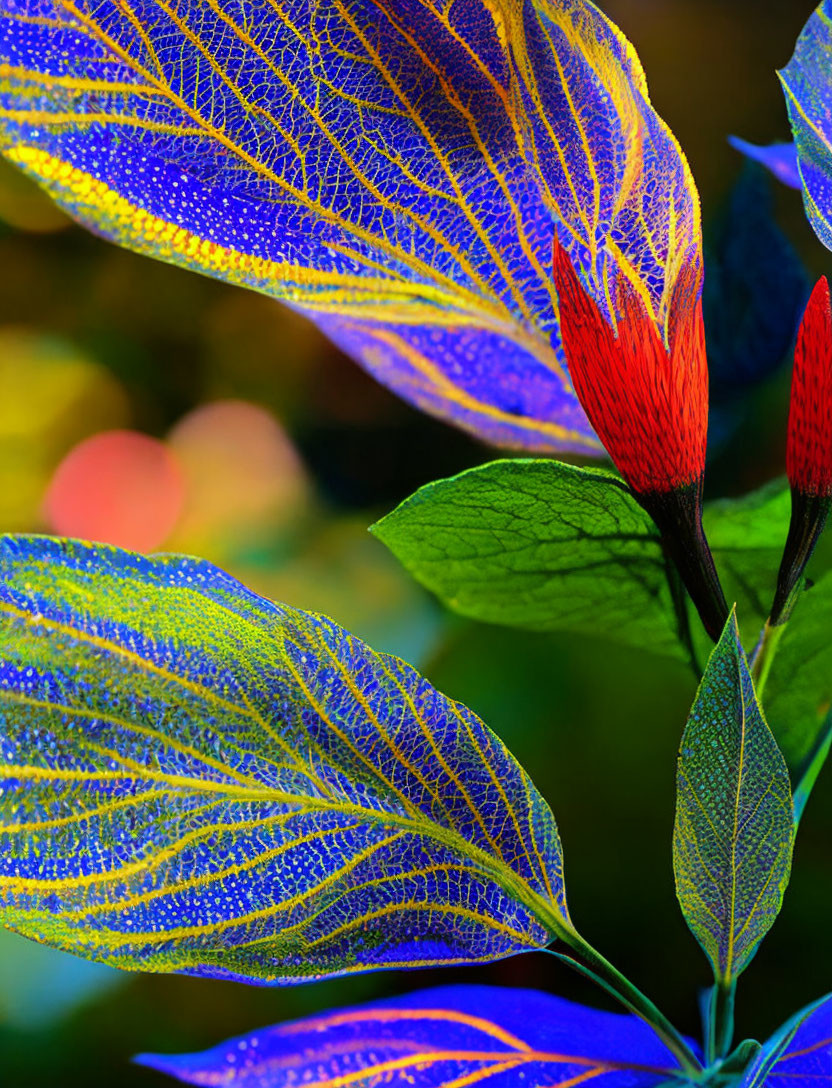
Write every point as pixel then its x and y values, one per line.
pixel 195 779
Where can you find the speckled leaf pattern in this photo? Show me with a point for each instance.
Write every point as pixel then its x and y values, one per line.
pixel 195 779
pixel 395 170
pixel 732 842
pixel 441 1038
pixel 807 85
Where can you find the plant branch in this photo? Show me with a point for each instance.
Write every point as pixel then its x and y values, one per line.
pixel 594 966
pixel 764 654
pixel 720 1021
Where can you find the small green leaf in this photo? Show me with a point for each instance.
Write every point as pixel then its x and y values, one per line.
pixel 811 767
pixel 732 843
pixel 799 691
pixel 539 545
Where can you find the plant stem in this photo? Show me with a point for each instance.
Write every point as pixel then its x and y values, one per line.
pixel 810 513
pixel 720 1021
pixel 678 517
pixel 764 655
pixel 610 979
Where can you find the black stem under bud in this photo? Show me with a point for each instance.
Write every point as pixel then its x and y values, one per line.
pixel 678 517
pixel 809 516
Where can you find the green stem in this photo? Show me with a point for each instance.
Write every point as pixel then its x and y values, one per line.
pixel 593 966
pixel 720 1021
pixel 764 656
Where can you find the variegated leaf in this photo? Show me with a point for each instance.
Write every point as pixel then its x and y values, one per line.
pixel 195 779
pixel 807 84
pixel 397 171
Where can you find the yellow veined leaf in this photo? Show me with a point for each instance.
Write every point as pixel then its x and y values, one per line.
pixel 395 170
pixel 733 838
pixel 195 779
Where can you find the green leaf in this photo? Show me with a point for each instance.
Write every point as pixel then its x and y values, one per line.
pixel 195 779
pixel 544 546
pixel 809 771
pixel 799 688
pixel 747 535
pixel 539 545
pixel 733 837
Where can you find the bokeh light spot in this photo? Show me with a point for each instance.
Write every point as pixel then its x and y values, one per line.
pixel 243 477
pixel 119 487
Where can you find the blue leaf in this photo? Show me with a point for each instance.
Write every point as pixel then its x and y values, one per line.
pixel 395 170
pixel 451 1036
pixel 780 159
pixel 194 779
pixel 807 84
pixel 755 291
pixel 797 1055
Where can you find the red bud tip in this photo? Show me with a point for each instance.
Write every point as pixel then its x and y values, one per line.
pixel 648 404
pixel 809 448
pixel 809 451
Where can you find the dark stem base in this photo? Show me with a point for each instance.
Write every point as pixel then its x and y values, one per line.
pixel 678 517
pixel 809 516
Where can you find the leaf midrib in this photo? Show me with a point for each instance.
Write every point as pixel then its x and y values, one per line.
pixel 544 910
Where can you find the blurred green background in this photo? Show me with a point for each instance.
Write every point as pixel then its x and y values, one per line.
pixel 271 454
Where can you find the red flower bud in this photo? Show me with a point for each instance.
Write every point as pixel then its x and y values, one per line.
pixel 809 447
pixel 809 451
pixel 648 403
